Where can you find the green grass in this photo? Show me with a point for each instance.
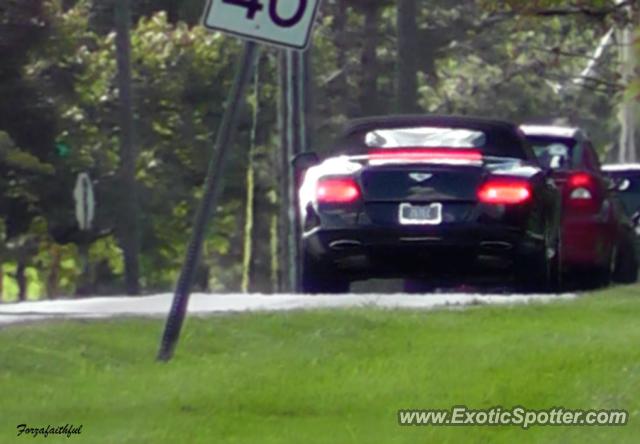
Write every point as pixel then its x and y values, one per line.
pixel 334 376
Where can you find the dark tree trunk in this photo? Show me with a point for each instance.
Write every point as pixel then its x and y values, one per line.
pixel 263 209
pixel 128 222
pixel 101 15
pixel 53 276
pixel 308 95
pixel 173 10
pixel 84 287
pixel 369 61
pixel 340 88
pixel 21 279
pixel 407 70
pixel 101 12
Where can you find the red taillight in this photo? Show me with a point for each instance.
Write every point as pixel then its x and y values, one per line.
pixel 337 191
pixel 505 192
pixel 581 180
pixel 582 192
pixel 426 154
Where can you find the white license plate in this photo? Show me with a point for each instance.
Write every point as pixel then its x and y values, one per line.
pixel 420 214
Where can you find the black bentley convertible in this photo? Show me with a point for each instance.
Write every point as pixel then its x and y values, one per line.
pixel 431 198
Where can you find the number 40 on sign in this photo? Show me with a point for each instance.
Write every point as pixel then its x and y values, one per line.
pixel 285 23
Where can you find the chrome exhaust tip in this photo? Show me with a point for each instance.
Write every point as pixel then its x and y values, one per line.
pixel 345 244
pixel 497 246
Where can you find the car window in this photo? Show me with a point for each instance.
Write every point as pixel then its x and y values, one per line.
pixel 628 190
pixel 425 137
pixel 629 185
pixel 496 142
pixel 552 152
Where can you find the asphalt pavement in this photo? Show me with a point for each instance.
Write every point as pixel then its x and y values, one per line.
pixel 157 306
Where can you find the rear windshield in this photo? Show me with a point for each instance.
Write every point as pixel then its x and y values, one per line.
pixel 498 143
pixel 425 137
pixel 553 152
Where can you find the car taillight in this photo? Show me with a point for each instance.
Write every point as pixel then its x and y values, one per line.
pixel 581 180
pixel 337 191
pixel 582 191
pixel 505 192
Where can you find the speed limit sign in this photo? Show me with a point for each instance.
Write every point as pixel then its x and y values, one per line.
pixel 285 23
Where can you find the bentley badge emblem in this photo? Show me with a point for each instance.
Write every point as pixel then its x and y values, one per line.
pixel 420 177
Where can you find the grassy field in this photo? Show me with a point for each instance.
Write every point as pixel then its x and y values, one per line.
pixel 326 376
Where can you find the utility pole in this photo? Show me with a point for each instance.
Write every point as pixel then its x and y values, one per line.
pixel 407 68
pixel 128 227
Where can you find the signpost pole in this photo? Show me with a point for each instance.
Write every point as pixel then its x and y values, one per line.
pixel 208 205
pixel 291 150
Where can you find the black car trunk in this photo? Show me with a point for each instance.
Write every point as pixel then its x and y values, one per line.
pixel 421 183
pixel 386 188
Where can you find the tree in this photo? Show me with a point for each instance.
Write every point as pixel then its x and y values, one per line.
pixel 24 152
pixel 369 65
pixel 407 81
pixel 128 228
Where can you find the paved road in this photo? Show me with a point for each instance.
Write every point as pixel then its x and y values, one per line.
pixel 204 304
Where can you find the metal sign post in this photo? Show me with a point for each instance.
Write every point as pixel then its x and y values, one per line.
pixel 208 204
pixel 285 24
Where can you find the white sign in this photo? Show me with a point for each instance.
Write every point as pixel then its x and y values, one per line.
pixel 85 201
pixel 276 22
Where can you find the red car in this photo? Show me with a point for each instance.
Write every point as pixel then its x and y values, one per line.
pixel 597 235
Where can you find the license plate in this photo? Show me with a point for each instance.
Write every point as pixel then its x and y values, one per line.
pixel 420 214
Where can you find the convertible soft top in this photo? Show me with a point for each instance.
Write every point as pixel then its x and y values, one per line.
pixel 502 138
pixel 404 120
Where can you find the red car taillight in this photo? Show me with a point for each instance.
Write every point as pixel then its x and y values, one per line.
pixel 505 192
pixel 337 191
pixel 581 180
pixel 582 191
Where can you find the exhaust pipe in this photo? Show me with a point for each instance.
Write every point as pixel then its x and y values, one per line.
pixel 497 246
pixel 345 244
